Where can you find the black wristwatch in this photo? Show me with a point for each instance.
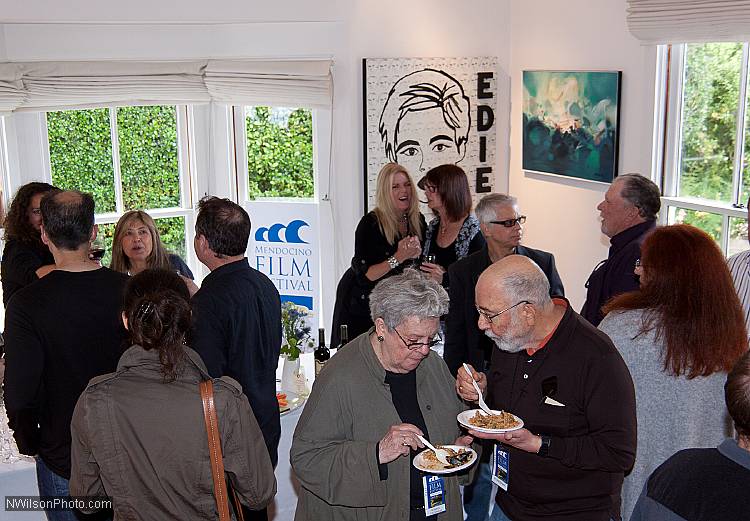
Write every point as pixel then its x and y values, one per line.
pixel 544 449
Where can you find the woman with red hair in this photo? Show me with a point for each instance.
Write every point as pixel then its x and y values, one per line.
pixel 679 334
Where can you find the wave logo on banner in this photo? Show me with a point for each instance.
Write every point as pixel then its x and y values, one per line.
pixel 282 233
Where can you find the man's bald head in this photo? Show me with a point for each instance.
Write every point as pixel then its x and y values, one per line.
pixel 515 278
pixel 68 218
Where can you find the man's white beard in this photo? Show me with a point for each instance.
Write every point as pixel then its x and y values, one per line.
pixel 504 344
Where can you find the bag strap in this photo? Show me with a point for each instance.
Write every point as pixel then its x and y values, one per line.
pixel 214 449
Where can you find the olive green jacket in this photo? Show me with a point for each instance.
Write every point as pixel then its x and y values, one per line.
pixel 143 442
pixel 349 411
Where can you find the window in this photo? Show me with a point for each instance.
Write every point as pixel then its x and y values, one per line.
pixel 705 145
pixel 278 147
pixel 129 158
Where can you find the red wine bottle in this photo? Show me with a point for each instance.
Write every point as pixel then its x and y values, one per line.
pixel 322 353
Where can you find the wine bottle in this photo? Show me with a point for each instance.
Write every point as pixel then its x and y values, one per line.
pixel 322 353
pixel 343 336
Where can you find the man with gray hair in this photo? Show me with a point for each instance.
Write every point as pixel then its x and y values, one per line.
pixel 628 213
pixel 570 386
pixel 502 226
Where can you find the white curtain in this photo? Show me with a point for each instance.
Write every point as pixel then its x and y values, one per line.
pixel 41 86
pixel 282 83
pixel 680 21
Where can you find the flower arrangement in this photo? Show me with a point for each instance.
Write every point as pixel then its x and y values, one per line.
pixel 296 332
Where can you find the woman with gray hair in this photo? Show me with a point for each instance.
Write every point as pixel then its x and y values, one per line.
pixel 357 437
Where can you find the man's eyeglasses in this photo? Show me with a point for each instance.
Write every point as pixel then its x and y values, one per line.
pixel 491 317
pixel 510 223
pixel 413 346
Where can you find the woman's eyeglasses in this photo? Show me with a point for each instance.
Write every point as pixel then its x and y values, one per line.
pixel 413 346
pixel 510 223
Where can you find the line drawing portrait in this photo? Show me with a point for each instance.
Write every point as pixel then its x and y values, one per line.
pixel 426 121
pixel 426 112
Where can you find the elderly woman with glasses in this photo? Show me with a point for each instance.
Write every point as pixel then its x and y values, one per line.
pixel 357 437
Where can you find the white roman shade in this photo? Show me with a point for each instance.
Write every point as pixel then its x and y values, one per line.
pixel 41 86
pixel 680 21
pixel 283 83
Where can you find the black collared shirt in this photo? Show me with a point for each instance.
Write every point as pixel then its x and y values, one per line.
pixel 237 332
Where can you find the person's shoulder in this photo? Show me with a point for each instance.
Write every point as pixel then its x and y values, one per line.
pixel 467 264
pixel 628 319
pixel 534 253
pixel 738 258
pixel 97 383
pixel 588 341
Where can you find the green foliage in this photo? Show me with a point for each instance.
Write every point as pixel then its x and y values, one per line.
pixel 80 150
pixel 280 153
pixel 81 159
pixel 711 99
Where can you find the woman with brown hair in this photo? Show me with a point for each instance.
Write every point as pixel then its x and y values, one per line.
pixel 454 232
pixel 679 334
pixel 25 258
pixel 138 434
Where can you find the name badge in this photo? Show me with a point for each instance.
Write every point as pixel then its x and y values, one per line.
pixel 500 467
pixel 434 495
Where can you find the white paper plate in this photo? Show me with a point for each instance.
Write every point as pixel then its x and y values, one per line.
pixel 419 460
pixel 463 419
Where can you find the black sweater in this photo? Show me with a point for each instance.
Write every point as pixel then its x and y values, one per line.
pixel 61 332
pixel 593 437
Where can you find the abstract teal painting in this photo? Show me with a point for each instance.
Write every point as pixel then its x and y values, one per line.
pixel 570 123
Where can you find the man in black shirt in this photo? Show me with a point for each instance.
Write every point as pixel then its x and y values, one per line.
pixel 61 331
pixel 628 213
pixel 237 315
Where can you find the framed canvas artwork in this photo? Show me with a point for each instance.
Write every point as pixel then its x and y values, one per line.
pixel 571 123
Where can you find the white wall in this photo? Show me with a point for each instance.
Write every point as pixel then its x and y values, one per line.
pixel 345 31
pixel 577 35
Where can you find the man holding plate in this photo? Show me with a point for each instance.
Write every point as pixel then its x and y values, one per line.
pixel 571 388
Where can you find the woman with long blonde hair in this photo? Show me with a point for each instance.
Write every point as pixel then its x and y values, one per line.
pixel 387 238
pixel 137 246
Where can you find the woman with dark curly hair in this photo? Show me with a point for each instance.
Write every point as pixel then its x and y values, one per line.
pixel 25 257
pixel 138 434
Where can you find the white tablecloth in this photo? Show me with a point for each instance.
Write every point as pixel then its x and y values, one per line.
pixel 18 479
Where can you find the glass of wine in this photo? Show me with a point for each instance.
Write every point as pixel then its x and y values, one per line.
pixel 97 249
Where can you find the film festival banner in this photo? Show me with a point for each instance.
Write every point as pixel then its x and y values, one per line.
pixel 284 244
pixel 426 112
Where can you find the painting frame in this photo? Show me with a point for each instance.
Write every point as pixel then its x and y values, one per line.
pixel 570 123
pixel 398 90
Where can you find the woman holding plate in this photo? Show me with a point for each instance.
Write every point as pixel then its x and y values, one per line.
pixel 357 437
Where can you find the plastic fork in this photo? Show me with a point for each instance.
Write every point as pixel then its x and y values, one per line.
pixel 482 404
pixel 440 454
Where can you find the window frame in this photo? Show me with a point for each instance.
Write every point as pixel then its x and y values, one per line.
pixel 186 174
pixel 321 127
pixel 670 78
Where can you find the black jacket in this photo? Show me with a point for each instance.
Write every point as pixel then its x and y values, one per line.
pixel 615 274
pixel 464 342
pixel 237 332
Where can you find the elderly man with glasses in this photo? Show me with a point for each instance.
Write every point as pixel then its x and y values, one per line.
pixel 502 226
pixel 569 385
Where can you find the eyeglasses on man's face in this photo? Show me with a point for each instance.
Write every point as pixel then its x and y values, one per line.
pixel 510 223
pixel 413 346
pixel 491 316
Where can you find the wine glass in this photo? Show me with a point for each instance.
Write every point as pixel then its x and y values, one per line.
pixel 97 249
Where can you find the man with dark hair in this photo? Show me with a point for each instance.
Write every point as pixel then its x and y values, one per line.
pixel 61 331
pixel 700 484
pixel 237 315
pixel 628 213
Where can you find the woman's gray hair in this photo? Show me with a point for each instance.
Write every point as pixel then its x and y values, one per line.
pixel 410 294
